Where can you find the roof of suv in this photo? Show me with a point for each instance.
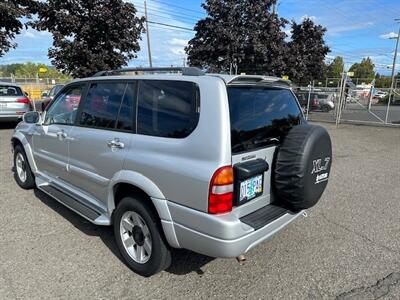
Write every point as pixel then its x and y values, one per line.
pixel 192 71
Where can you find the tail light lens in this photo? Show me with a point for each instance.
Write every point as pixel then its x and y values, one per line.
pixel 23 100
pixel 220 197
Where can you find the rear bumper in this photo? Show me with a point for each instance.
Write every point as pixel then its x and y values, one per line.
pixel 222 236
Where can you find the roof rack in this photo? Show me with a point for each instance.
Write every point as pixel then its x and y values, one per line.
pixel 188 71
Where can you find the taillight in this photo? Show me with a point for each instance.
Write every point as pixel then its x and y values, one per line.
pixel 220 197
pixel 23 100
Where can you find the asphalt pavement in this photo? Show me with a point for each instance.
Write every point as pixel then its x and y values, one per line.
pixel 347 248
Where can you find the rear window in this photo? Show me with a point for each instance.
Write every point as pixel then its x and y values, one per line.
pixel 261 116
pixel 7 90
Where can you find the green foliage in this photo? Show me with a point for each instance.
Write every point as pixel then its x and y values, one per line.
pixel 382 81
pixel 364 70
pixel 336 68
pixel 30 70
pixel 11 12
pixel 90 36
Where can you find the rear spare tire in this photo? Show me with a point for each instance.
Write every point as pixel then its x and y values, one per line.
pixel 302 166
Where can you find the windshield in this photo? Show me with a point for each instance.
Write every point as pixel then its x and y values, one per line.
pixel 9 90
pixel 261 116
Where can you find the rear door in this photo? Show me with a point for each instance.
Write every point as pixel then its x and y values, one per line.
pixel 260 116
pixel 101 139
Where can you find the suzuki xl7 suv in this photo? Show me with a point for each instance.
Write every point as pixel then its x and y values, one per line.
pixel 175 158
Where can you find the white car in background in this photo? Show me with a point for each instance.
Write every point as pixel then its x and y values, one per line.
pixel 380 94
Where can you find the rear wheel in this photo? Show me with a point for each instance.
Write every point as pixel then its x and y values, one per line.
pixel 22 172
pixel 139 237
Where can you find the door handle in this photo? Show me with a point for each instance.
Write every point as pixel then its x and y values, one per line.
pixel 61 135
pixel 116 143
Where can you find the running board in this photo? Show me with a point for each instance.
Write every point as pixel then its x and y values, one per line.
pixel 75 205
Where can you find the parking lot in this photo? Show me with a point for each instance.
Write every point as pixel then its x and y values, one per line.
pixel 348 246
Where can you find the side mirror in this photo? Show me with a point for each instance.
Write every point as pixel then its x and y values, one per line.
pixel 31 117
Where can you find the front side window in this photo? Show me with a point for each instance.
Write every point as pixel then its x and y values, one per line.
pixel 260 115
pixel 102 104
pixel 167 108
pixel 65 106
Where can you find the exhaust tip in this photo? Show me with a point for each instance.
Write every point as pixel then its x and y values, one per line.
pixel 241 258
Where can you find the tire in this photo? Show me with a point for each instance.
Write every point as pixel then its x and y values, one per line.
pixel 22 171
pixel 302 167
pixel 326 108
pixel 145 250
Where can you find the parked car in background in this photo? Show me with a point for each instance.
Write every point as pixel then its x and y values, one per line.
pixel 13 102
pixel 318 101
pixel 380 95
pixel 46 98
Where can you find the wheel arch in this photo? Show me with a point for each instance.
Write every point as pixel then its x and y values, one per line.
pixel 130 182
pixel 19 139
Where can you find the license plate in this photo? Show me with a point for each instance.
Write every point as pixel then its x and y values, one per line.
pixel 251 188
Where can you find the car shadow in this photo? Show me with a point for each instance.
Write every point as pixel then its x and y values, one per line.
pixel 8 125
pixel 183 261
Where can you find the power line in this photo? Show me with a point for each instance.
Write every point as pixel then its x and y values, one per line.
pixel 177 6
pixel 171 26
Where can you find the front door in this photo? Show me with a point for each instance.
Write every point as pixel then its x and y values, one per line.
pixel 101 139
pixel 51 138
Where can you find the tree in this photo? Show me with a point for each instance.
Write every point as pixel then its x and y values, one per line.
pixel 241 32
pixel 335 69
pixel 90 36
pixel 11 12
pixel 364 70
pixel 307 51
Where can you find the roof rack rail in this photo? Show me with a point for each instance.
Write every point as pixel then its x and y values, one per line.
pixel 188 71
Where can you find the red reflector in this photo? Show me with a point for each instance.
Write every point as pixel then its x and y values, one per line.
pixel 23 100
pixel 220 197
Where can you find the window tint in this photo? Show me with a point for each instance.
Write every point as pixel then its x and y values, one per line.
pixel 167 108
pixel 64 108
pixel 258 114
pixel 101 106
pixel 7 90
pixel 125 116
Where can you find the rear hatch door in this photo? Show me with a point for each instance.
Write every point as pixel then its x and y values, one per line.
pixel 260 117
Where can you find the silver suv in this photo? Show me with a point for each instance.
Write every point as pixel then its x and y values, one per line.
pixel 175 158
pixel 13 102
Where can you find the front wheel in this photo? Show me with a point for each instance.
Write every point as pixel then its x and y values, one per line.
pixel 22 172
pixel 139 237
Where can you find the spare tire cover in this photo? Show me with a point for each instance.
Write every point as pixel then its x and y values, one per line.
pixel 302 166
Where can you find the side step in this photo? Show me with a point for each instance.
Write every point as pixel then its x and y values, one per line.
pixel 264 216
pixel 75 205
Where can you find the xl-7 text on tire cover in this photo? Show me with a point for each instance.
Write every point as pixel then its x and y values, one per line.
pixel 176 158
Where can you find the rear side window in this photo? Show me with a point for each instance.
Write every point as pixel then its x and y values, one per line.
pixel 260 116
pixel 12 91
pixel 167 108
pixel 102 105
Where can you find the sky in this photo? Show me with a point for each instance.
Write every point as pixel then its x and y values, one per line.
pixel 355 29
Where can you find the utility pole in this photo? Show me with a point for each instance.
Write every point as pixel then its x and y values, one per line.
pixel 148 34
pixel 393 73
pixel 274 6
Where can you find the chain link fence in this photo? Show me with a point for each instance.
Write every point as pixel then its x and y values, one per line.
pixel 350 102
pixel 35 87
